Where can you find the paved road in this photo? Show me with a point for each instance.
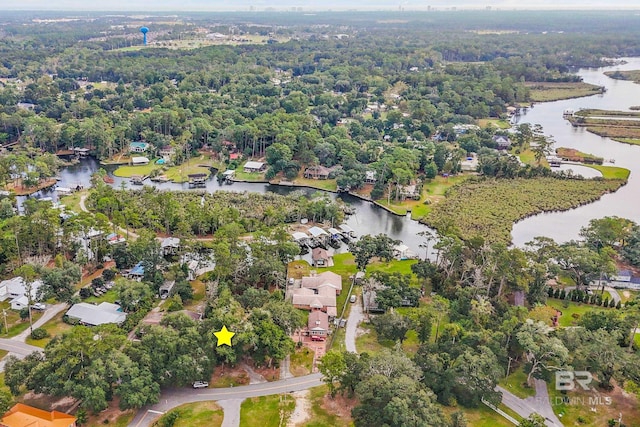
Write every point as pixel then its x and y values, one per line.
pixel 355 317
pixel 539 404
pixel 17 347
pixel 231 409
pixel 48 314
pixel 171 398
pixel 597 288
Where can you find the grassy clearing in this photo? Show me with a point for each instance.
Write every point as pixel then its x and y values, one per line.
pixel 516 383
pixel 433 191
pixel 144 170
pixel 196 165
pixel 489 207
pixel 612 172
pixel 483 416
pixel 574 155
pixel 499 123
pixel 54 326
pixel 573 407
pixel 72 201
pixel 199 292
pixel 626 295
pixel 301 362
pixel 199 414
pixel 323 413
pixel 121 421
pixel 551 91
pixel 13 321
pixel 572 311
pixel 266 411
pixel 631 141
pixel 110 296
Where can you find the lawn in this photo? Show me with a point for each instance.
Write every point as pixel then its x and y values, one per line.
pixel 54 326
pixel 322 416
pixel 144 170
pixel 516 383
pixel 121 421
pixel 499 123
pixel 12 319
pixel 266 411
pixel 576 407
pixel 321 184
pixel 573 311
pixel 199 292
pixel 528 157
pixel 612 172
pixel 301 362
pixel 179 173
pixel 72 201
pixel 199 414
pixel 110 296
pixel 433 191
pixel 483 416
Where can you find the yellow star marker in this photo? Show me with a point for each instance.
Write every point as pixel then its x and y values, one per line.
pixel 224 336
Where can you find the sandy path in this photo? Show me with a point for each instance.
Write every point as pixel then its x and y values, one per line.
pixel 302 411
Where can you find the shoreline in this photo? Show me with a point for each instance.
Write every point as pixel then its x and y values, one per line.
pixel 290 184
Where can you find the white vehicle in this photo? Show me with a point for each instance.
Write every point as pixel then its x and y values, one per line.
pixel 353 298
pixel 200 384
pixel 39 306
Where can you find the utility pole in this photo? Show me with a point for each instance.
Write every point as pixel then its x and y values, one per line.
pixel 6 327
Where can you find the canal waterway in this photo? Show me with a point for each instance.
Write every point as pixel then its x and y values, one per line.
pixel 562 226
pixel 619 95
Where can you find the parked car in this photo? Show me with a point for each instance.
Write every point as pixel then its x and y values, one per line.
pixel 353 298
pixel 200 384
pixel 317 338
pixel 39 306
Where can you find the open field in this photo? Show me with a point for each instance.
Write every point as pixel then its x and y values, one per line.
pixel 612 172
pixel 498 123
pixel 573 310
pixel 326 411
pixel 489 207
pixel 54 326
pixel 267 411
pixel 573 155
pixel 516 383
pixel 433 191
pixel 199 414
pixel 551 91
pixel 301 362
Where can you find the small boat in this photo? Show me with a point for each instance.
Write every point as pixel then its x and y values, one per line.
pixel 612 161
pixel 108 179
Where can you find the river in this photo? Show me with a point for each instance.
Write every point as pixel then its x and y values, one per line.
pixel 562 226
pixel 367 219
pixel 620 95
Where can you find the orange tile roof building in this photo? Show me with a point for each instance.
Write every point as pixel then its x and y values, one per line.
pixel 21 415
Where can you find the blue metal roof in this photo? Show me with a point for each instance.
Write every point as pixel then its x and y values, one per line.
pixel 138 269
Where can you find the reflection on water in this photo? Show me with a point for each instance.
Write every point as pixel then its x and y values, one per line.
pixel 368 218
pixel 620 95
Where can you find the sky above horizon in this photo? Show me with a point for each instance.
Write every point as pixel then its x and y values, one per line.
pixel 243 5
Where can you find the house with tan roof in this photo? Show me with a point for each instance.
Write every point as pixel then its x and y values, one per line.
pixel 21 415
pixel 318 293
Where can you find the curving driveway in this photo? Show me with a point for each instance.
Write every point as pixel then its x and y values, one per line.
pixel 228 397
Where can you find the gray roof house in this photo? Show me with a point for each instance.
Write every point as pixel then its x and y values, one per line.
pixel 94 315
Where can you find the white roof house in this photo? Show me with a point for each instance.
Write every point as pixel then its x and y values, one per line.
pixel 15 288
pixel 170 242
pixel 317 231
pixel 94 315
pixel 253 166
pixel 140 160
pixel 299 236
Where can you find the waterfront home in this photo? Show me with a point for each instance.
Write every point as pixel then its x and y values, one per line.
pixel 301 238
pixel 317 172
pixel 502 142
pixel 138 147
pixel 167 152
pixel 370 177
pixel 320 258
pixel 197 179
pixel 318 235
pixel 254 167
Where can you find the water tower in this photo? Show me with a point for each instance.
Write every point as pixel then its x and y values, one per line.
pixel 144 31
